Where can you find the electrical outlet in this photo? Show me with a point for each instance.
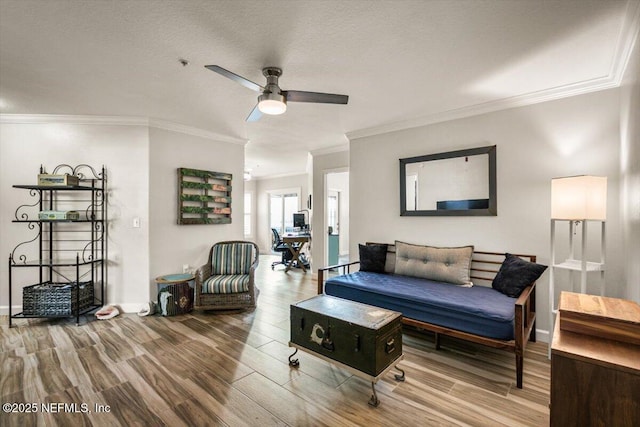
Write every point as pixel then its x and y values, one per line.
pixel 136 222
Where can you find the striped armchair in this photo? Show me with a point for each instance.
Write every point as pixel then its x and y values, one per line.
pixel 226 281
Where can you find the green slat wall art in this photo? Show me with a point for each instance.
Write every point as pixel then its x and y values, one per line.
pixel 204 197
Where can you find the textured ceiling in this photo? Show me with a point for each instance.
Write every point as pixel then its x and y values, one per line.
pixel 400 61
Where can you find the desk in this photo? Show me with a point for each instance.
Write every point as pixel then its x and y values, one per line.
pixel 289 241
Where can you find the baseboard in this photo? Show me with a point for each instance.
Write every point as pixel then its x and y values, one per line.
pixel 124 308
pixel 4 310
pixel 542 335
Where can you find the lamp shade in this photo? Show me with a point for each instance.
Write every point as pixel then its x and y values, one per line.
pixel 579 197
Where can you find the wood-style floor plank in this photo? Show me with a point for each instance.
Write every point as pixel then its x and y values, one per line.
pixel 312 366
pixel 159 379
pixel 52 376
pixel 129 407
pixel 289 407
pixel 232 406
pixel 100 372
pixel 231 369
pixel 12 373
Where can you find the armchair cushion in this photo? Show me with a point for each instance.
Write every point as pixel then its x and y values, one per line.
pixel 226 284
pixel 231 259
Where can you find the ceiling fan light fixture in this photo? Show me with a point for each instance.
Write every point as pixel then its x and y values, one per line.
pixel 272 104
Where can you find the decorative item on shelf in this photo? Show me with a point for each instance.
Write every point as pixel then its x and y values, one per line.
pixel 578 200
pixel 58 180
pixel 204 197
pixel 59 215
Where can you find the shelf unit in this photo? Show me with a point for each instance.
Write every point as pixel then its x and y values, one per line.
pixel 572 264
pixel 71 254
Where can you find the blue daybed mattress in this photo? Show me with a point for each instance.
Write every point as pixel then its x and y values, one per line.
pixel 478 310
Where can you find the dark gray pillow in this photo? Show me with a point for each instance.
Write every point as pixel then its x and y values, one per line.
pixel 373 258
pixel 516 274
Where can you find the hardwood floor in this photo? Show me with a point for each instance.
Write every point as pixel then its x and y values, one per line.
pixel 231 369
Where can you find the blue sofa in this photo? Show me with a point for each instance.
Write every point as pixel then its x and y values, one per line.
pixel 478 313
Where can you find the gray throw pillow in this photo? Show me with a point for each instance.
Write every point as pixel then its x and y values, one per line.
pixel 450 265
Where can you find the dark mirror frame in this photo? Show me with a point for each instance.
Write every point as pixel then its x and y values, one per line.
pixel 493 200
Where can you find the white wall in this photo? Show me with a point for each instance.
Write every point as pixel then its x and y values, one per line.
pixel 322 164
pixel 172 245
pixel 578 135
pixel 124 152
pixel 630 173
pixel 142 167
pixel 263 187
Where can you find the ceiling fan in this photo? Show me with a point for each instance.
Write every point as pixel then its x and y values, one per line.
pixel 272 99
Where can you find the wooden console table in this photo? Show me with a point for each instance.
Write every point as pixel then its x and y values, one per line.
pixel 595 362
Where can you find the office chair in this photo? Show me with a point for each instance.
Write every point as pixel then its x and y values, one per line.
pixel 277 245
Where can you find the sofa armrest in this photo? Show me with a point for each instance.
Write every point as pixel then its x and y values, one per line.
pixel 345 270
pixel 526 294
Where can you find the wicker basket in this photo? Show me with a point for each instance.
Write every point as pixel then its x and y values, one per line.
pixel 179 300
pixel 56 299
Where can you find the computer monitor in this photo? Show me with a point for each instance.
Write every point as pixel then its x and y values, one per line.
pixel 298 220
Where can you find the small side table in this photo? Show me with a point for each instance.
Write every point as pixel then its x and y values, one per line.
pixel 180 293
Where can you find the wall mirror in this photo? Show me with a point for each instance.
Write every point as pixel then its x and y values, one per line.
pixel 455 183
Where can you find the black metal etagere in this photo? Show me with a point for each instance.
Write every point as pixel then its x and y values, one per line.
pixel 69 254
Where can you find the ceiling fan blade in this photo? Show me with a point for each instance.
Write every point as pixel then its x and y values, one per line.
pixel 254 115
pixel 236 78
pixel 325 98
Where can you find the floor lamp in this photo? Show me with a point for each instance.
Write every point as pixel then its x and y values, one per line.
pixel 578 200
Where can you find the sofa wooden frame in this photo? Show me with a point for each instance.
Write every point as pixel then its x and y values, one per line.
pixel 484 267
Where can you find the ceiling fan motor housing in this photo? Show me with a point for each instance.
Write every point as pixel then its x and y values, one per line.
pixel 272 74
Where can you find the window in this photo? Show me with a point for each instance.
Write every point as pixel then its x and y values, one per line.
pixel 281 209
pixel 247 215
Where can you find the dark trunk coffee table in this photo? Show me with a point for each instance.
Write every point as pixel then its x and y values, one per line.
pixel 360 338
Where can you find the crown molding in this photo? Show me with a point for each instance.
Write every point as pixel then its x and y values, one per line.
pixel 73 119
pixel 330 150
pixel 627 38
pixel 281 175
pixel 116 121
pixel 626 41
pixel 560 92
pixel 189 130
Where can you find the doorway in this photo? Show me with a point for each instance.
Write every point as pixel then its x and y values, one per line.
pixel 336 220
